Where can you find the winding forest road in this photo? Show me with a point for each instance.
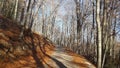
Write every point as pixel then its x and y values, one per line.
pixel 62 59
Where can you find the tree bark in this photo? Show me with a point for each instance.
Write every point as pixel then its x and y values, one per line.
pixel 16 8
pixel 99 63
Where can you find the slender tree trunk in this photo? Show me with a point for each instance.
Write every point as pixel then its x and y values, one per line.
pixel 104 33
pixel 99 34
pixel 16 8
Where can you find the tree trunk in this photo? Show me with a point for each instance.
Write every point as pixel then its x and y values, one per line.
pixel 16 7
pixel 99 34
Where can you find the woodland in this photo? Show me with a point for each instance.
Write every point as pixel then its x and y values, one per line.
pixel 90 28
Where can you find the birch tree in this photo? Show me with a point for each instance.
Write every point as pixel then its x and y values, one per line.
pixel 99 39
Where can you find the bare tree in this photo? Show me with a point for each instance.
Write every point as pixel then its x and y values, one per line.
pixel 99 64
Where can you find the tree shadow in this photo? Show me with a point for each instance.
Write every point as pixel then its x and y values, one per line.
pixel 60 64
pixel 39 62
pixel 34 52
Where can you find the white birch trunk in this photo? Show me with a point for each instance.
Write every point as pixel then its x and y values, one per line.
pixel 99 35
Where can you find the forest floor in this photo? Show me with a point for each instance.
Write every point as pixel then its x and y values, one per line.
pixel 33 50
